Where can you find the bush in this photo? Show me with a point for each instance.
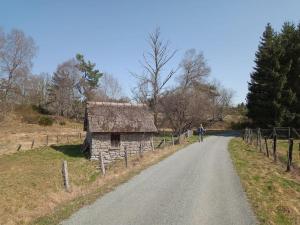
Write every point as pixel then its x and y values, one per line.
pixel 40 109
pixel 46 121
pixel 239 125
pixel 30 118
pixel 62 123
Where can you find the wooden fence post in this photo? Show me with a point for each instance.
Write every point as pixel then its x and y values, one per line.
pixel 260 147
pixel 290 155
pixel 173 140
pixel 299 150
pixel 32 144
pixel 257 136
pixel 140 151
pixel 164 142
pixel 19 147
pixel 152 144
pixel 65 175
pixel 267 149
pixel 126 156
pixel 249 135
pixel 102 166
pixel 275 147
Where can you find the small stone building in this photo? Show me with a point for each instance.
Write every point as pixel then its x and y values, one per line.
pixel 112 127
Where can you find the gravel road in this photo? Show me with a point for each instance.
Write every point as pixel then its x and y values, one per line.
pixel 197 185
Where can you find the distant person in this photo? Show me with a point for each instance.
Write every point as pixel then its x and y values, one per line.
pixel 201 132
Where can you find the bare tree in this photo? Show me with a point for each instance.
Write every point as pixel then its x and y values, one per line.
pixel 2 38
pixel 15 60
pixel 186 109
pixel 152 81
pixel 224 101
pixel 32 89
pixel 110 87
pixel 63 94
pixel 194 69
pixel 188 104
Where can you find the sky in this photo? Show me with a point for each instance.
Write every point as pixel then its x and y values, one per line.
pixel 113 34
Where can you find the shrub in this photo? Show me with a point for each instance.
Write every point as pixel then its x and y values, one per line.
pixel 40 109
pixel 30 118
pixel 46 121
pixel 62 123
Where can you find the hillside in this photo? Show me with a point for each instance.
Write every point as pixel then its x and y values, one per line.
pixel 17 129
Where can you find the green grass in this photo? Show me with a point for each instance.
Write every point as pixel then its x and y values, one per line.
pixel 32 190
pixel 282 148
pixel 31 181
pixel 273 193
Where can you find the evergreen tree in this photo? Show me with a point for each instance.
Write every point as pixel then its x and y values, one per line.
pixel 265 100
pixel 290 42
pixel 90 77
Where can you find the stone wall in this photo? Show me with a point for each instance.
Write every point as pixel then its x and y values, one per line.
pixel 132 141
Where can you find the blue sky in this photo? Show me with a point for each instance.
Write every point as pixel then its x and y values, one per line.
pixel 113 33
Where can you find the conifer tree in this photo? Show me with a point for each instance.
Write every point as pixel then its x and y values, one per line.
pixel 290 42
pixel 266 96
pixel 90 77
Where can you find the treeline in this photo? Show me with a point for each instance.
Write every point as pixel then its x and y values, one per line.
pixel 191 99
pixel 63 93
pixel 180 98
pixel 274 89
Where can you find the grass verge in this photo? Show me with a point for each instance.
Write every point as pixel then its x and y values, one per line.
pixel 32 189
pixel 273 193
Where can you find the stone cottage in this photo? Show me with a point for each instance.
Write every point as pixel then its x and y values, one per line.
pixel 112 127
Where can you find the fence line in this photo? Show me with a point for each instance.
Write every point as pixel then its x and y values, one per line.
pixel 42 141
pixel 276 136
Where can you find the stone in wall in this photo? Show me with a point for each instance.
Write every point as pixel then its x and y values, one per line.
pixel 132 142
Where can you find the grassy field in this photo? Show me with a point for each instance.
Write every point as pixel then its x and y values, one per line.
pixel 282 151
pixel 273 193
pixel 32 189
pixel 14 131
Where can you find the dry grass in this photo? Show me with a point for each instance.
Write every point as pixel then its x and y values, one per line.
pixel 227 122
pixel 14 132
pixel 31 184
pixel 282 150
pixel 274 194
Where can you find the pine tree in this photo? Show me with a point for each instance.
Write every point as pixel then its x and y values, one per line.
pixel 266 96
pixel 290 42
pixel 90 77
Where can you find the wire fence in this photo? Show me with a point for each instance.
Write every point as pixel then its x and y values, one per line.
pixel 161 141
pixel 30 142
pixel 280 143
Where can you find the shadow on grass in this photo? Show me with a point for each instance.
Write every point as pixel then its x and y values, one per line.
pixel 70 150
